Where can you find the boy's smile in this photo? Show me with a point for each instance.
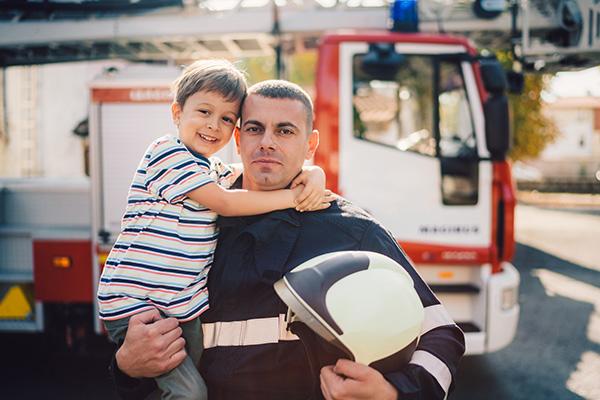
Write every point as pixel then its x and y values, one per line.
pixel 206 121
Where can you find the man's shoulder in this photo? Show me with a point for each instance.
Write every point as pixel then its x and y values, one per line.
pixel 345 208
pixel 345 215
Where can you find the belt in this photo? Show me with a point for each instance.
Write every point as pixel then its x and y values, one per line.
pixel 246 333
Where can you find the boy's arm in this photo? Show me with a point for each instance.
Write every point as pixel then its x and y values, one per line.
pixel 240 202
pixel 314 193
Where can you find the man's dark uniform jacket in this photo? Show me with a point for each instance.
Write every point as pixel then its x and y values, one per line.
pixel 253 253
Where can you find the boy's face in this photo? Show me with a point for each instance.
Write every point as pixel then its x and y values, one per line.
pixel 206 121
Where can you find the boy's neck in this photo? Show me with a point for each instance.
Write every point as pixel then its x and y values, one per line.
pixel 196 154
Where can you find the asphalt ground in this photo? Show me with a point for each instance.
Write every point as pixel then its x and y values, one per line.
pixel 555 355
pixel 556 352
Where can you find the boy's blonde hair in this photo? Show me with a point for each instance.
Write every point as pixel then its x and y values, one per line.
pixel 218 76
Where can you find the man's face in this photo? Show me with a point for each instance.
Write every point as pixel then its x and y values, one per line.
pixel 273 141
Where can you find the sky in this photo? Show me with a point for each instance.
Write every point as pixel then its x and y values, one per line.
pixel 576 84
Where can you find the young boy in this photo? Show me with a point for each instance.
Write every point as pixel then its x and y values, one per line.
pixel 168 233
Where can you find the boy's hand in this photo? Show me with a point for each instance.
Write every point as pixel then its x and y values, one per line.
pixel 314 196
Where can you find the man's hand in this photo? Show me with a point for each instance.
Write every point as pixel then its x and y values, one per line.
pixel 348 380
pixel 152 346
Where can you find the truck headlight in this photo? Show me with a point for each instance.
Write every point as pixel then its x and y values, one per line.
pixel 509 298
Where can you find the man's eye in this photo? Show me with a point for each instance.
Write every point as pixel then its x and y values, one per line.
pixel 286 132
pixel 251 129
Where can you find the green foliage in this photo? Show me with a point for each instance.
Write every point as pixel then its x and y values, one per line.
pixel 302 68
pixel 259 68
pixel 532 129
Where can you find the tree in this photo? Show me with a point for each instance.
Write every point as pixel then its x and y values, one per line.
pixel 300 68
pixel 258 68
pixel 532 129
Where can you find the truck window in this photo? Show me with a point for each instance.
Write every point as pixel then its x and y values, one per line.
pixel 423 109
pixel 457 138
pixel 396 113
pixel 457 145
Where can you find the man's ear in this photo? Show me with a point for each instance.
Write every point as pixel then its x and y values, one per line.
pixel 236 137
pixel 313 143
pixel 175 112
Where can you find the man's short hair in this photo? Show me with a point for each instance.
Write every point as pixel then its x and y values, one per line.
pixel 218 76
pixel 281 89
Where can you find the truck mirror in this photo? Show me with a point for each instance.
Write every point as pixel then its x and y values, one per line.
pixel 493 75
pixel 495 109
pixel 516 82
pixel 497 128
pixel 382 61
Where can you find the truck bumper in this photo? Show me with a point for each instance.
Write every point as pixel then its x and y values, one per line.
pixel 503 307
pixel 500 299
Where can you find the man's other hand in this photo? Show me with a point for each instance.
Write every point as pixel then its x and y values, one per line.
pixel 152 346
pixel 347 380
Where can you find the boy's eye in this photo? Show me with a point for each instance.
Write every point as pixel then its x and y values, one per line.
pixel 228 120
pixel 203 111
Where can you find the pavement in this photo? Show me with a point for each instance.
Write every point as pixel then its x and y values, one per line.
pixel 559 200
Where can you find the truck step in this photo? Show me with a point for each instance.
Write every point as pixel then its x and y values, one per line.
pixel 468 327
pixel 455 288
pixel 20 326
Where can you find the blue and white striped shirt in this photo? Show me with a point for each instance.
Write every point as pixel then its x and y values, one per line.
pixel 167 241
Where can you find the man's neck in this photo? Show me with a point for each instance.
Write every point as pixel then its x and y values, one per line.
pixel 247 185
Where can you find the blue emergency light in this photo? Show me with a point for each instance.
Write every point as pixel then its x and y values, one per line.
pixel 404 16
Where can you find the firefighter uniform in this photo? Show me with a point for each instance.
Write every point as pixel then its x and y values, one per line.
pixel 249 353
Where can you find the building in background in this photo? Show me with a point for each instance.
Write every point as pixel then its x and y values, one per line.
pixel 576 153
pixel 572 162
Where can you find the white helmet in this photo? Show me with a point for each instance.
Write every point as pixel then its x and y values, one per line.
pixel 362 302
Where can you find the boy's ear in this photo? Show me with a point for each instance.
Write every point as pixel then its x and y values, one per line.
pixel 236 137
pixel 175 112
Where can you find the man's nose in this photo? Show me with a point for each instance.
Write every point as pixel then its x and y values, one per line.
pixel 267 140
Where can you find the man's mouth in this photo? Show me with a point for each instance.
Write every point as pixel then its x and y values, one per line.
pixel 266 160
pixel 206 138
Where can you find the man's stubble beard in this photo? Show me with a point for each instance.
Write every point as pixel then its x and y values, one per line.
pixel 263 182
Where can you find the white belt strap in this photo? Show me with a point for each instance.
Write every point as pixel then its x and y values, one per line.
pixel 246 333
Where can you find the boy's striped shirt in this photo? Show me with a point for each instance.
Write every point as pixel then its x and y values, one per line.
pixel 165 249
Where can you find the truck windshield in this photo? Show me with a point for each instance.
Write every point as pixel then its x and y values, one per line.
pixel 425 109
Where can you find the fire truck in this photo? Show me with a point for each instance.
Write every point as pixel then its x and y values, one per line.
pixel 414 129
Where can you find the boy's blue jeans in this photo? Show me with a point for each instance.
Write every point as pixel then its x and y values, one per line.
pixel 184 381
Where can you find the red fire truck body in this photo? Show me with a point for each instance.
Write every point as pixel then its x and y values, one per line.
pixel 406 132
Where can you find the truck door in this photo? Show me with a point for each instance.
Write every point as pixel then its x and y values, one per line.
pixel 127 129
pixel 412 148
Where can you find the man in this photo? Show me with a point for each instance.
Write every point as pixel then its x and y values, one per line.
pixel 249 353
